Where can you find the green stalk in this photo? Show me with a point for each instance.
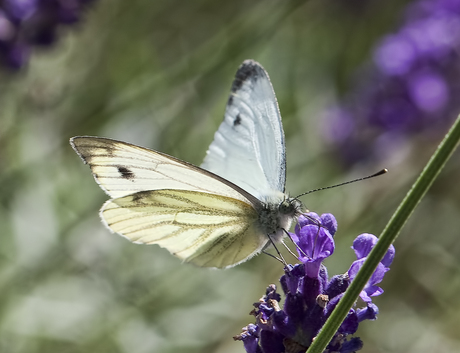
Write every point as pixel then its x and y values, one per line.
pixel 388 236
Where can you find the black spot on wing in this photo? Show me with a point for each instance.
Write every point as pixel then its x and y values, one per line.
pixel 248 70
pixel 125 173
pixel 230 101
pixel 237 120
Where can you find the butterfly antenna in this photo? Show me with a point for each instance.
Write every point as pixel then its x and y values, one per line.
pixel 383 171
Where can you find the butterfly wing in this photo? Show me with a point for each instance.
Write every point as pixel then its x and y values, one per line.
pixel 158 199
pixel 248 148
pixel 122 169
pixel 205 229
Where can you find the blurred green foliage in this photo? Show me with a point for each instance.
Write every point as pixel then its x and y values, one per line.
pixel 158 74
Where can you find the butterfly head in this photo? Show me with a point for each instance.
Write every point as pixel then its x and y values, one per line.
pixel 290 207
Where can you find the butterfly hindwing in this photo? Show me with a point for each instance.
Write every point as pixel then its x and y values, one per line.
pixel 204 229
pixel 248 148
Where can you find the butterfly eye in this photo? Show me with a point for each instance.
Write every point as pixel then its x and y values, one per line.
pixel 286 207
pixel 290 207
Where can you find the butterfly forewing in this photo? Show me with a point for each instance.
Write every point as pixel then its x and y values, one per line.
pixel 122 169
pixel 248 148
pixel 204 229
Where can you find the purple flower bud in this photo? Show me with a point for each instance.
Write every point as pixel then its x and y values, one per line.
pixel 290 280
pixel 350 324
pixel 368 313
pixel 306 219
pixel 337 285
pixel 389 256
pixel 363 245
pixel 250 338
pixel 333 301
pixel 370 290
pixel 329 222
pixel 271 293
pixel 353 345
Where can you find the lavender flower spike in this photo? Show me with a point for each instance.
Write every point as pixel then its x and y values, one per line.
pixel 310 296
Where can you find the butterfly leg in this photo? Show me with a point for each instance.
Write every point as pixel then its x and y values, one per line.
pixel 297 246
pixel 289 249
pixel 280 258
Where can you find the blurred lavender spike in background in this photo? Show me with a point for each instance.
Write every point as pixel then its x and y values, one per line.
pixel 28 23
pixel 412 87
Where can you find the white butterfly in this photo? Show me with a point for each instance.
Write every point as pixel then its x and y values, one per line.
pixel 216 215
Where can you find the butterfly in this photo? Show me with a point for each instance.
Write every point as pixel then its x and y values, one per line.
pixel 219 214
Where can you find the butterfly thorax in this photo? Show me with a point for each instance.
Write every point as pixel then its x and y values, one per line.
pixel 277 213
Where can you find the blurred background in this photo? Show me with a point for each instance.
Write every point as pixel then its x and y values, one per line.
pixel 361 84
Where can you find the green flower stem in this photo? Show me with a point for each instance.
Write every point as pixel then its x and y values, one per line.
pixel 388 236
